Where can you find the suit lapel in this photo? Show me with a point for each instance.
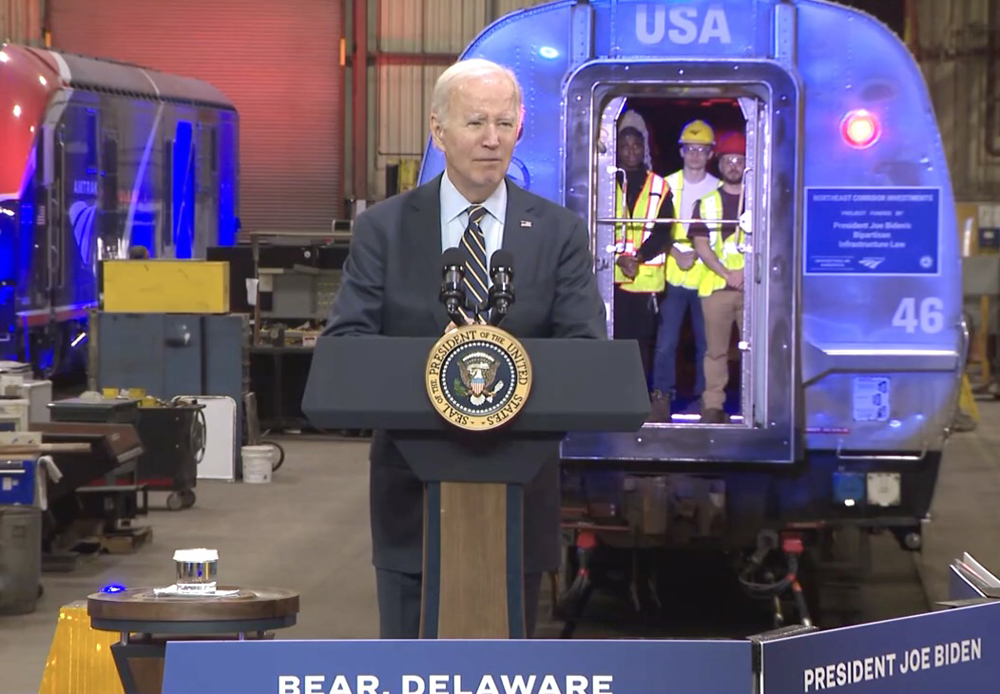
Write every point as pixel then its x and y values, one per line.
pixel 422 244
pixel 520 230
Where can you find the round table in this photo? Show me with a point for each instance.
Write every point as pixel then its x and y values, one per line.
pixel 156 619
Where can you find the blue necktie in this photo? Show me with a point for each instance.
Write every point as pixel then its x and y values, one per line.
pixel 473 249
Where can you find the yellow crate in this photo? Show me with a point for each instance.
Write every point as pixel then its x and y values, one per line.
pixel 166 286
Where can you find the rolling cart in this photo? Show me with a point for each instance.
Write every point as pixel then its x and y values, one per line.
pixel 172 433
pixel 173 437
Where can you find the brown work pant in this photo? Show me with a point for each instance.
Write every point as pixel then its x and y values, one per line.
pixel 721 309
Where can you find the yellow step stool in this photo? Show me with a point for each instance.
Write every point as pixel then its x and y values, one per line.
pixel 967 401
pixel 80 659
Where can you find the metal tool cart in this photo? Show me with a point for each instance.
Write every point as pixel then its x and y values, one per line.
pixel 173 436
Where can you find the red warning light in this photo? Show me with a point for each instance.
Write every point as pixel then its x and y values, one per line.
pixel 860 128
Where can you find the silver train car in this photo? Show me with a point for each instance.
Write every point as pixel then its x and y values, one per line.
pixel 846 376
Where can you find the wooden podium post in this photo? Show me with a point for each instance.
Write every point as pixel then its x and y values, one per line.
pixel 466 531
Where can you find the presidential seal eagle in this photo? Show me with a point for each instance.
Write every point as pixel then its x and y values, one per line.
pixel 478 371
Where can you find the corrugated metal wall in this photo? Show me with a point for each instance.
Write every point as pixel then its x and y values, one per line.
pixel 21 21
pixel 414 42
pixel 277 61
pixel 957 43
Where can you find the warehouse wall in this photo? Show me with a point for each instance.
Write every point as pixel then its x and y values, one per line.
pixel 414 41
pixel 957 43
pixel 277 61
pixel 21 21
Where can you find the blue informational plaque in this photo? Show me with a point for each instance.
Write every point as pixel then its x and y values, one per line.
pixel 459 667
pixel 936 653
pixel 872 231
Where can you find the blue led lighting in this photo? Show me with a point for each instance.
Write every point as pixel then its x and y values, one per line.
pixel 113 588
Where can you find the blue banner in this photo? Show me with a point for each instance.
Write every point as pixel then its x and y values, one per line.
pixel 872 231
pixel 459 667
pixel 948 651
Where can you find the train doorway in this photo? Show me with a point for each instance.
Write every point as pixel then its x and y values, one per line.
pixel 673 149
pixel 726 368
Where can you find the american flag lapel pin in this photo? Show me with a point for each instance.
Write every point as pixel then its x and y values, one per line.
pixel 525 222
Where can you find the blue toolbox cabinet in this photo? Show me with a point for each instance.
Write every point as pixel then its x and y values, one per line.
pixel 18 482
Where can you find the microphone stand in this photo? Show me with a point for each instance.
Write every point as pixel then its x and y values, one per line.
pixel 500 299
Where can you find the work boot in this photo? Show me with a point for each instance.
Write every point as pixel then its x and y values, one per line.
pixel 659 407
pixel 714 416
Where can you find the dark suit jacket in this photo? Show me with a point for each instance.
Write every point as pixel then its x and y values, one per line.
pixel 390 287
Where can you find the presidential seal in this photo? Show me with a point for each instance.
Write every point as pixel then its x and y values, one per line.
pixel 478 377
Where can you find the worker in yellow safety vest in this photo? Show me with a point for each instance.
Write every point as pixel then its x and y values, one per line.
pixel 639 194
pixel 720 247
pixel 683 268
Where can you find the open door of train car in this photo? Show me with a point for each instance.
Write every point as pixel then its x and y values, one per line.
pixel 760 99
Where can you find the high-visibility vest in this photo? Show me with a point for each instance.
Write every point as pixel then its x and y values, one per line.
pixel 630 237
pixel 690 278
pixel 728 251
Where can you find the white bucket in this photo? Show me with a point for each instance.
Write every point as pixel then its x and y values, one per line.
pixel 257 464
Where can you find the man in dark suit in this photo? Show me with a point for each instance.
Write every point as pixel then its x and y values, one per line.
pixel 390 287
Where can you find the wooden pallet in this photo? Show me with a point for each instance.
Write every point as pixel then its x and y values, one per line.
pixel 126 542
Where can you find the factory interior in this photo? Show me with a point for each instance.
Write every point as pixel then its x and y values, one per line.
pixel 163 412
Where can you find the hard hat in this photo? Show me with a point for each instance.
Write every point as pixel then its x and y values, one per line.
pixel 631 119
pixel 732 143
pixel 697 132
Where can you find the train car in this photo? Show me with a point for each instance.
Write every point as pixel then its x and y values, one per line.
pixel 845 379
pixel 99 157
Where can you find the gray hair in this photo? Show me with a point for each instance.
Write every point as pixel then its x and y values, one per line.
pixel 463 70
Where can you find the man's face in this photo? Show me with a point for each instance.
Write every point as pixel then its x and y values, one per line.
pixel 731 167
pixel 631 151
pixel 696 156
pixel 477 134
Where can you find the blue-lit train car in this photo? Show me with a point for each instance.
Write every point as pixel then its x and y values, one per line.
pixel 846 376
pixel 98 157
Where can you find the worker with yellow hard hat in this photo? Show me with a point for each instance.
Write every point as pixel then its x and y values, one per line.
pixel 684 270
pixel 721 248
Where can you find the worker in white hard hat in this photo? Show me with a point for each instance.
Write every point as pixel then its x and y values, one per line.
pixel 683 269
pixel 639 194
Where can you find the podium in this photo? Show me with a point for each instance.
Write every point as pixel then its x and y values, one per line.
pixel 473 479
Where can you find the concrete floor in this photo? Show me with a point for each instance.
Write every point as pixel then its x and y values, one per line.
pixel 308 531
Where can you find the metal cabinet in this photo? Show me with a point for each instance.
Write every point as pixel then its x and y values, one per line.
pixel 173 354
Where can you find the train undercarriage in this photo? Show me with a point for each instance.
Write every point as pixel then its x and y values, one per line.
pixel 766 546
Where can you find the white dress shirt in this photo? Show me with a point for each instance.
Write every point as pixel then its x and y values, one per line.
pixel 454 217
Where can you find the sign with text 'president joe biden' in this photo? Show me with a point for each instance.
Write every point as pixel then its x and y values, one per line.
pixel 459 667
pixel 947 651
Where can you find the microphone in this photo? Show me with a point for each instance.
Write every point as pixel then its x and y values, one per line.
pixel 501 296
pixel 452 293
